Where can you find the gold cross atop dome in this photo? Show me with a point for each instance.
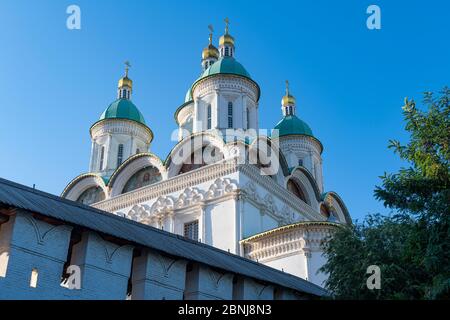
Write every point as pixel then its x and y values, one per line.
pixel 226 39
pixel 210 51
pixel 127 67
pixel 125 81
pixel 288 99
pixel 227 22
pixel 211 31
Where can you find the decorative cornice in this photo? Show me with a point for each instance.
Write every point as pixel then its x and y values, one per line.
pixel 291 226
pixel 287 197
pixel 226 82
pixel 302 237
pixel 300 143
pixel 205 174
pixel 122 126
pixel 191 196
pixel 171 185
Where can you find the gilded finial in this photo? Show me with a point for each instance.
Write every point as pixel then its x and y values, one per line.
pixel 288 99
pixel 211 30
pixel 226 38
pixel 125 81
pixel 227 22
pixel 127 67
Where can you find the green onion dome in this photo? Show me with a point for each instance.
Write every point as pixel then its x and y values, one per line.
pixel 292 125
pixel 123 109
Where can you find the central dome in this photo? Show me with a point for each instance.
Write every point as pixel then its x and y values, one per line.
pixel 123 109
pixel 226 65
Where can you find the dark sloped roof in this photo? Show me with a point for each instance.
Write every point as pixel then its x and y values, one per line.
pixel 20 196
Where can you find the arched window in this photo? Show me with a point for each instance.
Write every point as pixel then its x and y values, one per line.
pixel 34 278
pixel 143 177
pixel 230 114
pixel 208 117
pixel 138 151
pixel 248 118
pixel 295 189
pixel 102 157
pixel 191 230
pixel 227 51
pixel 120 155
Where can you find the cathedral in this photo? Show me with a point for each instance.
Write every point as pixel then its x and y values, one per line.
pixel 225 183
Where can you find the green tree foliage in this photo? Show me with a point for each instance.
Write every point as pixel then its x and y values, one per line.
pixel 411 246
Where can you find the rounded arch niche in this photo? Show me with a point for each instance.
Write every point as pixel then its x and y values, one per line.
pixel 138 171
pixel 194 152
pixel 294 187
pixel 91 195
pixel 144 177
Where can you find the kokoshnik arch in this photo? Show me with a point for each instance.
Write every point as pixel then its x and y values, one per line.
pixel 279 220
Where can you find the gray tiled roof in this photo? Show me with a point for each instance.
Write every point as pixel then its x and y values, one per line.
pixel 19 196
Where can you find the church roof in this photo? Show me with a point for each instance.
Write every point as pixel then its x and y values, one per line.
pixel 292 125
pixel 74 213
pixel 188 96
pixel 226 65
pixel 123 109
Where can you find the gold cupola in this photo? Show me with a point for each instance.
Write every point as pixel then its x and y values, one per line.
pixel 226 39
pixel 125 84
pixel 226 42
pixel 288 102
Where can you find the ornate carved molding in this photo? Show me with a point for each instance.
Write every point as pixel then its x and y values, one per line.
pixel 303 237
pixel 204 174
pixel 228 82
pixel 121 126
pixel 169 205
pixel 165 187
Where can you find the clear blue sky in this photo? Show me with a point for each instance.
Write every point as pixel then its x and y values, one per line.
pixel 349 81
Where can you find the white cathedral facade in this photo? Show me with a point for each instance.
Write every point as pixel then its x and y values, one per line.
pixel 224 183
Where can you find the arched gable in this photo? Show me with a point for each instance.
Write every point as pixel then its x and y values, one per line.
pixel 133 165
pixel 182 152
pixel 82 184
pixel 332 200
pixel 308 185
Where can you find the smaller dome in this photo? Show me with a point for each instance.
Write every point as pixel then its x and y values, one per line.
pixel 288 100
pixel 125 82
pixel 291 125
pixel 123 109
pixel 210 52
pixel 226 39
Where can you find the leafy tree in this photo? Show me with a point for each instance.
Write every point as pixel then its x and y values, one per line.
pixel 412 246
